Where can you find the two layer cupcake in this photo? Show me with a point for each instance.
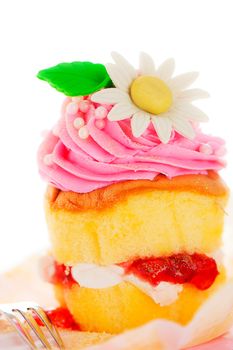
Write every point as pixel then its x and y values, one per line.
pixel 135 204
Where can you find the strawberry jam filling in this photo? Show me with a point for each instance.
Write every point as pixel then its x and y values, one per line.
pixel 196 269
pixel 60 318
pixel 61 275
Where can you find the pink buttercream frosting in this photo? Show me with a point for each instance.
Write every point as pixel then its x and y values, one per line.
pixel 94 153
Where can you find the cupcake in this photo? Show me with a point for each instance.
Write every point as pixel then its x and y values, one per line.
pixel 135 203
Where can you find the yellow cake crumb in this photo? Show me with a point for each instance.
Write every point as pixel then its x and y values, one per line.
pixel 152 223
pixel 124 306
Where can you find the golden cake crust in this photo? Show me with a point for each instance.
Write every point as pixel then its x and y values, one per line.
pixel 106 197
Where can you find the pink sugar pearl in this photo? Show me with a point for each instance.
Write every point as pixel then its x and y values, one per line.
pixel 83 132
pixel 48 159
pixel 78 123
pixel 72 108
pixel 206 149
pixel 84 106
pixel 108 107
pixel 101 112
pixel 100 123
pixel 77 98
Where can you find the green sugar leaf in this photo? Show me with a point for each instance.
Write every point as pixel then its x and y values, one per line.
pixel 77 78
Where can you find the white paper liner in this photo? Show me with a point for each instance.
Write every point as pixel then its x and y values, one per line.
pixel 213 319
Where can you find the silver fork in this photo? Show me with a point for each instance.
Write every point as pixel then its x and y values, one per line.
pixel 20 316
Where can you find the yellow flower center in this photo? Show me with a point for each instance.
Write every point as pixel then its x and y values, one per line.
pixel 151 94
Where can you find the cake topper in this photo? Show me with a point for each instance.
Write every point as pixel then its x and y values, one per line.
pixel 146 96
pixel 76 78
pixel 152 95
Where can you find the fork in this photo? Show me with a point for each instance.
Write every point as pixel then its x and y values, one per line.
pixel 20 316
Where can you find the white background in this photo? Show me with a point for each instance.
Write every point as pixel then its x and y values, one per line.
pixel 38 34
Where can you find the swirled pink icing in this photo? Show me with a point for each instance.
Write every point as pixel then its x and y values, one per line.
pixel 111 154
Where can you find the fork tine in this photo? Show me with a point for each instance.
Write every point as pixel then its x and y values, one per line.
pixel 22 317
pixel 34 327
pixel 20 329
pixel 50 327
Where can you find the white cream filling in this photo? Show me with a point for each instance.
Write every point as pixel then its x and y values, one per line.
pixel 164 293
pixel 98 277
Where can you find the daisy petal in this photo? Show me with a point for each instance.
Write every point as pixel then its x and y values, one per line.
pixel 125 65
pixel 166 69
pixel 191 112
pixel 163 127
pixel 192 94
pixel 146 64
pixel 122 111
pixel 110 96
pixel 181 82
pixel 183 127
pixel 139 123
pixel 119 76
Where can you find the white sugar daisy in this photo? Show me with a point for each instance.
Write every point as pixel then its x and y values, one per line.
pixel 152 95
